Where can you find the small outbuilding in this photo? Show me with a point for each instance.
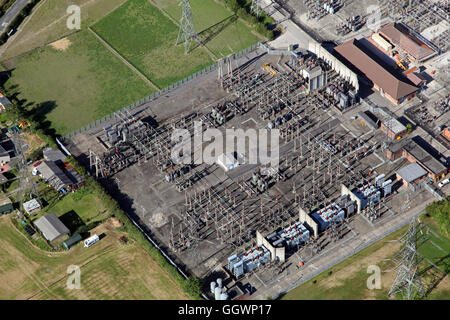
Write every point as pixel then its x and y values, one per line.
pixel 3 179
pixel 54 155
pixel 365 120
pixel 4 156
pixel 51 227
pixel 4 102
pixel 412 173
pixel 229 161
pixel 31 206
pixel 73 240
pixel 6 206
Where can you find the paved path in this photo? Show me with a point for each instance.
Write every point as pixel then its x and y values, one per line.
pixel 293 34
pixel 20 29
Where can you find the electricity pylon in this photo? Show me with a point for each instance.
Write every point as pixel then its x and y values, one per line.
pixel 187 29
pixel 26 184
pixel 408 281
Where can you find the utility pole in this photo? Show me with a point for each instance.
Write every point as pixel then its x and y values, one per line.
pixel 26 184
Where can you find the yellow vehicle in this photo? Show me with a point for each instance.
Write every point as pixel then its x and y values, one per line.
pixel 400 62
pixel 23 124
pixel 268 68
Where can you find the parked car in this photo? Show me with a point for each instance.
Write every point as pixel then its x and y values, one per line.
pixel 37 163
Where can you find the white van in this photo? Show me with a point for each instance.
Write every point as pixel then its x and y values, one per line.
pixel 91 240
pixel 443 182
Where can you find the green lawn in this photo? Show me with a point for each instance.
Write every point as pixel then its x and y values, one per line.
pixel 74 87
pixel 146 38
pixel 75 209
pixel 48 22
pixel 221 33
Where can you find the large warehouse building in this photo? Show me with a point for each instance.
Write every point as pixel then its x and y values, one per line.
pixel 401 37
pixel 389 85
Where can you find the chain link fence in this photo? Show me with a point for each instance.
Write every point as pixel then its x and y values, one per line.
pixel 354 251
pixel 159 93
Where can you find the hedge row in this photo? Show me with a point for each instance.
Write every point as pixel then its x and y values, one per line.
pixel 440 212
pixel 5 6
pixel 242 10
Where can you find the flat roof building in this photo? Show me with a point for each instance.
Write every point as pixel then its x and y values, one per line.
pixel 389 85
pixel 31 206
pixel 412 151
pixel 411 173
pixel 51 227
pixel 393 128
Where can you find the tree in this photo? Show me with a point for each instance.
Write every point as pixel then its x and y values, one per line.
pixel 409 128
pixel 193 286
pixel 440 212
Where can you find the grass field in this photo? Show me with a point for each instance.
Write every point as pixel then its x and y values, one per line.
pixel 74 86
pixel 109 270
pixel 76 80
pixel 348 279
pixel 48 23
pixel 80 205
pixel 146 37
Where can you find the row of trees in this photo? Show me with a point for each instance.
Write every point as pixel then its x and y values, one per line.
pixel 440 211
pixel 262 23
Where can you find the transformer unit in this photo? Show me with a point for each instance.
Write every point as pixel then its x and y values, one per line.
pixel 330 214
pixel 254 258
pixel 293 235
pixel 387 187
pixel 368 194
pixel 379 180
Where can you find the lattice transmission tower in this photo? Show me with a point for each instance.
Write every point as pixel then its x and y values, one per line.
pixel 256 8
pixel 187 29
pixel 408 281
pixel 27 188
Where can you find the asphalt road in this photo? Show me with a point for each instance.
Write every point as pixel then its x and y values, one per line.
pixel 11 13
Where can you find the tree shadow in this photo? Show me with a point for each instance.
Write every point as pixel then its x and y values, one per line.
pixel 72 221
pixel 4 76
pixel 435 275
pixel 38 116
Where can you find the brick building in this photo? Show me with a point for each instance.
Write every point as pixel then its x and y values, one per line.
pixel 412 151
pixel 393 128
